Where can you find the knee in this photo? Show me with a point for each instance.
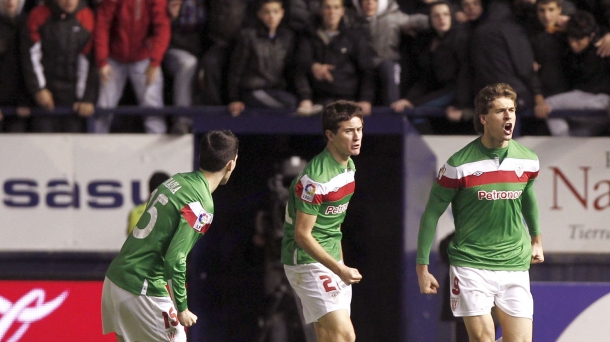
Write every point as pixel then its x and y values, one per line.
pixel 189 63
pixel 345 335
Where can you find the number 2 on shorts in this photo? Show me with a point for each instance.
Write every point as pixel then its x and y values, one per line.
pixel 326 280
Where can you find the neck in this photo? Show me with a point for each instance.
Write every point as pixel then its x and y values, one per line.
pixel 492 143
pixel 214 178
pixel 272 31
pixel 331 28
pixel 340 158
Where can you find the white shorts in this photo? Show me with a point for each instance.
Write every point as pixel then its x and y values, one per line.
pixel 474 292
pixel 139 317
pixel 321 291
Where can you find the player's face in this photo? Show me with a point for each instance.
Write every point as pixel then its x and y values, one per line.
pixel 10 7
pixel 441 19
pixel 578 45
pixel 271 15
pixel 68 6
pixel 332 12
pixel 548 14
pixel 472 9
pixel 499 123
pixel 369 7
pixel 348 139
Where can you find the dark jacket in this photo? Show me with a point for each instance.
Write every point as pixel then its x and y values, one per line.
pixel 225 19
pixel 550 52
pixel 440 70
pixel 350 52
pixel 589 72
pixel 500 52
pixel 188 28
pixel 12 86
pixel 58 54
pixel 259 62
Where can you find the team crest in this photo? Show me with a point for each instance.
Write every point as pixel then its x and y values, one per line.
pixel 477 173
pixel 454 303
pixel 334 296
pixel 171 334
pixel 441 172
pixel 519 170
pixel 309 192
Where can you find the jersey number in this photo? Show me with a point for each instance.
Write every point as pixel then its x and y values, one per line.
pixel 173 316
pixel 142 233
pixel 326 280
pixel 456 286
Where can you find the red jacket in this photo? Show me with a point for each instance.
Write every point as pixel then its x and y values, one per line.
pixel 129 31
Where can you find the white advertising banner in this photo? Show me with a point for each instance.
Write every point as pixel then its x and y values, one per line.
pixel 73 192
pixel 573 190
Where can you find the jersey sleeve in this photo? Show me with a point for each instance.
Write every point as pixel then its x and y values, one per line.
pixel 194 222
pixel 308 196
pixel 441 194
pixel 530 209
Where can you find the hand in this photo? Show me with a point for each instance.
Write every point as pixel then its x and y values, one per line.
pixel 236 107
pixel 542 110
pixel 85 109
pixel 23 112
pixel 152 72
pixel 400 105
pixel 106 73
pixel 321 72
pixel 173 7
pixel 349 275
pixel 563 21
pixel 603 46
pixel 461 17
pixel 537 253
pixel 187 318
pixel 305 105
pixel 427 282
pixel 44 98
pixel 454 114
pixel 536 66
pixel 366 107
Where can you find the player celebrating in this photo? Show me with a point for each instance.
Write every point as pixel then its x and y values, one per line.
pixel 136 303
pixel 311 248
pixel 489 184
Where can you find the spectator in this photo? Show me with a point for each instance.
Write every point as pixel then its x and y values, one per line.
pixel 550 46
pixel 470 10
pixel 588 75
pixel 225 19
pixel 185 50
pixel 12 85
pixel 58 64
pixel 442 56
pixel 131 37
pixel 334 62
pixel 299 13
pixel 386 24
pixel 260 63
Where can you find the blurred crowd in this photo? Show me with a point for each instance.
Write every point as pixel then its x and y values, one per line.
pixel 300 55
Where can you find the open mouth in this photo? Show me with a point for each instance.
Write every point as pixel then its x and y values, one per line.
pixel 508 128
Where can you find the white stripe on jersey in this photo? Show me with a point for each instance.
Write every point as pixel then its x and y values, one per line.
pixel 489 165
pixel 338 181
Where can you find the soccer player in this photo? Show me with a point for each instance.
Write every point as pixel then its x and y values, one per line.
pixel 144 294
pixel 489 184
pixel 311 248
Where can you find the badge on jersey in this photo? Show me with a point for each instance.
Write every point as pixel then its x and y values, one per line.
pixel 197 217
pixel 441 172
pixel 309 191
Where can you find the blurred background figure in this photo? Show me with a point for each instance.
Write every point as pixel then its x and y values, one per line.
pixel 12 85
pixel 282 320
pixel 154 181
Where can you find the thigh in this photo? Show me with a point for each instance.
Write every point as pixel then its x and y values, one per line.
pixel 514 329
pixel 334 325
pixel 177 59
pixel 472 291
pixel 110 92
pixel 320 290
pixel 480 328
pixel 148 95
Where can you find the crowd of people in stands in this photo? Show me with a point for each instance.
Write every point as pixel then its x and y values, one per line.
pixel 300 55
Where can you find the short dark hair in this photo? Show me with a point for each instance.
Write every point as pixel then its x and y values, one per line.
pixel 156 179
pixel 216 149
pixel 485 97
pixel 336 112
pixel 545 2
pixel 261 3
pixel 581 24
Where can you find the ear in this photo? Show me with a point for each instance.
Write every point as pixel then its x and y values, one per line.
pixel 483 119
pixel 231 164
pixel 329 135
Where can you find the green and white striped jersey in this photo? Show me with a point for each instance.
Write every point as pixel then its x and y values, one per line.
pixel 324 189
pixel 491 192
pixel 154 255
